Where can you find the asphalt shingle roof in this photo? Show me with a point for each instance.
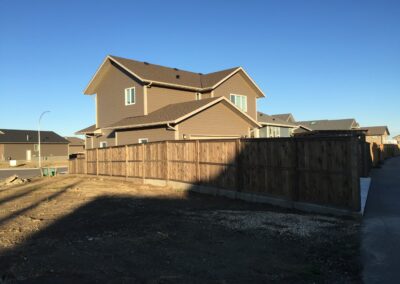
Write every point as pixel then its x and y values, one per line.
pixel 153 72
pixel 30 136
pixel 75 141
pixel 168 113
pixel 375 130
pixel 336 124
pixel 269 119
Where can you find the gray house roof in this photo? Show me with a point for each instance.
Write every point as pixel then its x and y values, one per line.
pixel 285 116
pixel 30 136
pixel 266 119
pixel 334 124
pixel 174 113
pixel 376 130
pixel 75 141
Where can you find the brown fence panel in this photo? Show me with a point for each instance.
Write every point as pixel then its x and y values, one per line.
pixel 135 155
pixel 182 157
pixel 155 160
pixel 218 163
pixel 118 160
pixel 91 161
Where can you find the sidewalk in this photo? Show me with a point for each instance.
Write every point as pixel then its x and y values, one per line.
pixel 380 237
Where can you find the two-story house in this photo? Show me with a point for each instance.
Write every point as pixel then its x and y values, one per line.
pixel 138 102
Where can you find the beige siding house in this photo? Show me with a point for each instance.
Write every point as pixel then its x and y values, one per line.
pixel 139 102
pixel 376 134
pixel 23 145
pixel 76 145
pixel 274 126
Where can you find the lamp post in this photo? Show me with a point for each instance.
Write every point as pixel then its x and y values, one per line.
pixel 40 153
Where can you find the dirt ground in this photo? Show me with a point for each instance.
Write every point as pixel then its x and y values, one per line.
pixel 72 229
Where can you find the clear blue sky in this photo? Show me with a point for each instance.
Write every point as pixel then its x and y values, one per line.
pixel 316 59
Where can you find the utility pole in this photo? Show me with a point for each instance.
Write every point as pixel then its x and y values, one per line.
pixel 40 153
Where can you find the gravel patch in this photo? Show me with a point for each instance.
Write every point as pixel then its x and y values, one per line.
pixel 283 223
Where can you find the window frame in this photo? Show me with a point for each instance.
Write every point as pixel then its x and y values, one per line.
pixel 102 143
pixel 241 106
pixel 127 93
pixel 143 140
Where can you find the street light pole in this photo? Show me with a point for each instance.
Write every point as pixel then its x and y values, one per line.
pixel 40 153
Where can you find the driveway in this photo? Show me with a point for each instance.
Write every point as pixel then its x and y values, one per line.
pixel 25 172
pixel 381 226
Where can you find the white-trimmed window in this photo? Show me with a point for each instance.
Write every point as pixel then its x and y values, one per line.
pixel 103 144
pixel 240 101
pixel 143 140
pixel 198 96
pixel 130 96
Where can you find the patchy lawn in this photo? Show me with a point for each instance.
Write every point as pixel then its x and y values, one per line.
pixel 74 229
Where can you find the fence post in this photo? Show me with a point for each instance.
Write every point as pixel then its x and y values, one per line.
pixel 166 161
pixel 198 177
pixel 295 194
pixel 355 178
pixel 85 162
pixel 239 172
pixel 111 160
pixel 126 160
pixel 143 162
pixel 97 161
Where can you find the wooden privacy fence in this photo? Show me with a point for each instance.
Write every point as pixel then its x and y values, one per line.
pixel 319 170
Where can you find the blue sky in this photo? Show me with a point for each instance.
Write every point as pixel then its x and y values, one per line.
pixel 317 59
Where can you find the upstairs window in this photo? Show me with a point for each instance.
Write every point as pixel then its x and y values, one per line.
pixel 130 96
pixel 143 140
pixel 239 101
pixel 198 96
pixel 103 144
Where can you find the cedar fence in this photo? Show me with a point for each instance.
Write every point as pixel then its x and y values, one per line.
pixel 317 170
pixel 379 153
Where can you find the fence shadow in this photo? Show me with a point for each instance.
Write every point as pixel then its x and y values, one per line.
pixel 169 240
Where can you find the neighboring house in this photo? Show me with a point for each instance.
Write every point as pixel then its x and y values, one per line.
pixel 397 138
pixel 334 124
pixel 138 102
pixel 23 145
pixel 277 125
pixel 288 117
pixel 376 134
pixel 76 145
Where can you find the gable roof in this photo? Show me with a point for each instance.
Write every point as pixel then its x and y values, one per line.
pixel 171 77
pixel 30 136
pixel 376 130
pixel 175 113
pixel 75 141
pixel 397 136
pixel 334 124
pixel 266 119
pixel 284 116
pixel 88 130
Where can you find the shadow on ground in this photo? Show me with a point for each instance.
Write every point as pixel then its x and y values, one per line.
pixel 117 239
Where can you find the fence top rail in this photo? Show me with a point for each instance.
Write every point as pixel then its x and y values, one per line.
pixel 251 140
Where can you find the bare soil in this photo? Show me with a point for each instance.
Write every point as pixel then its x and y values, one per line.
pixel 72 229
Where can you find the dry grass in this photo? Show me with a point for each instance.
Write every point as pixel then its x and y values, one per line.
pixel 32 164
